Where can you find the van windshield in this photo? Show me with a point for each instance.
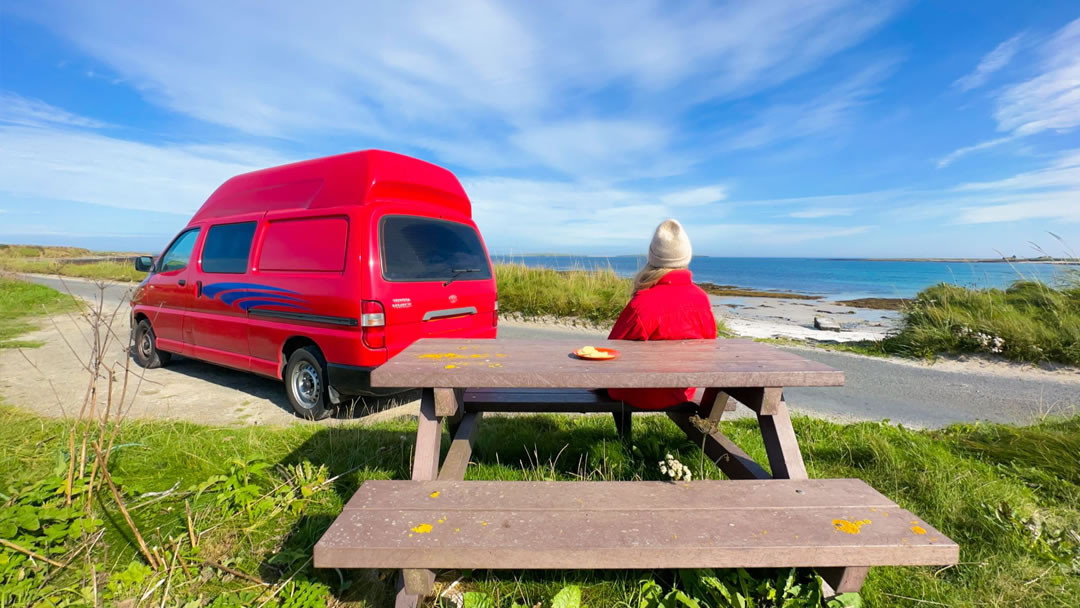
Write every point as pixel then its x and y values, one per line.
pixel 425 249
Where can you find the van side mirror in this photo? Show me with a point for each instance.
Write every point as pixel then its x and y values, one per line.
pixel 144 263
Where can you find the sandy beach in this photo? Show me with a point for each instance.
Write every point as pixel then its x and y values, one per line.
pixel 788 318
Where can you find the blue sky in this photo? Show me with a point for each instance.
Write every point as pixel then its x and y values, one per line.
pixel 824 128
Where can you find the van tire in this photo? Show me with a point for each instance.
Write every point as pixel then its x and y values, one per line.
pixel 306 384
pixel 144 347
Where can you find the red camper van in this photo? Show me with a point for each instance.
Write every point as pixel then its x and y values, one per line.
pixel 316 273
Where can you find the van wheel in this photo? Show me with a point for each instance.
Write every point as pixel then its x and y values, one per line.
pixel 305 384
pixel 144 347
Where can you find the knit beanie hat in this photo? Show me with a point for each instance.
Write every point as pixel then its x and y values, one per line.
pixel 670 247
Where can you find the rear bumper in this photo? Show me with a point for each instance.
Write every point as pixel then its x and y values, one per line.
pixel 355 380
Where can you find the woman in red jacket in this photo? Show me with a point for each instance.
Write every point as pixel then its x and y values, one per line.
pixel 666 305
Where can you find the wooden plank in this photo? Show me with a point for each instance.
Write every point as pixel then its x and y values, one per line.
pixel 448 402
pixel 531 363
pixel 761 400
pixel 734 462
pixel 617 495
pixel 555 400
pixel 844 580
pixel 781 445
pixel 457 459
pixel 753 537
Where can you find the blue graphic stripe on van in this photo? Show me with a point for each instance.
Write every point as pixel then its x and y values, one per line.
pixel 214 289
pixel 231 296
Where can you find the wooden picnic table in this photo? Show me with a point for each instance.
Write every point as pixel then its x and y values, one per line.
pixel 463 379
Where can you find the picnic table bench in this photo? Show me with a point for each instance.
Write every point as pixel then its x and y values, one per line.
pixel 840 527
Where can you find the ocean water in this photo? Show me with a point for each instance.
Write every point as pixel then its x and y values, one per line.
pixel 832 278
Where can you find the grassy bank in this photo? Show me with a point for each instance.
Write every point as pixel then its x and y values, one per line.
pixel 1029 322
pixel 260 497
pixel 107 271
pixel 21 304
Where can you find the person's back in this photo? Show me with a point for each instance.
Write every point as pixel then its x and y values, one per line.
pixel 666 306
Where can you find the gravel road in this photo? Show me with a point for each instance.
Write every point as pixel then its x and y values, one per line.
pixel 904 392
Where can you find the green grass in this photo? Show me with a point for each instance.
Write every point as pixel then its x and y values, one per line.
pixel 20 303
pixel 1008 495
pixel 108 271
pixel 1029 322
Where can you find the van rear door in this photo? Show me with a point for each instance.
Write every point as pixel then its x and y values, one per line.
pixel 434 280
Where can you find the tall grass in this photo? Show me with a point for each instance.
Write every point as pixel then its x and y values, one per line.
pixel 597 295
pixel 1029 322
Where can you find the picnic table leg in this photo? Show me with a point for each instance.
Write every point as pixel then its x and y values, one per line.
pixel 622 422
pixel 786 461
pixel 418 583
pixel 844 580
pixel 782 447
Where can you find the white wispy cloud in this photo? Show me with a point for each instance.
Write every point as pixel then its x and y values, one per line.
pixel 827 112
pixel 1050 100
pixel 695 197
pixel 514 75
pixel 990 63
pixel 18 110
pixel 953 156
pixel 821 212
pixel 53 163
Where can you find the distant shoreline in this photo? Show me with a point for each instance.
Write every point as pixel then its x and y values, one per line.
pixel 1057 261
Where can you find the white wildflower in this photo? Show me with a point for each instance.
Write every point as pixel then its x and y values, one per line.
pixel 674 469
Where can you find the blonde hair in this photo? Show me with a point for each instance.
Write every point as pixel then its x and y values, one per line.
pixel 649 275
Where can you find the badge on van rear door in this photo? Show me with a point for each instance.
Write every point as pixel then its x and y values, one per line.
pixel 453 299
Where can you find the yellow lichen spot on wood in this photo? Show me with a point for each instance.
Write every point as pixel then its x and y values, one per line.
pixel 440 356
pixel 422 529
pixel 451 366
pixel 434 494
pixel 483 523
pixel 441 520
pixel 410 536
pixel 850 527
pixel 918 529
pixel 501 355
pixel 480 356
pixel 456 530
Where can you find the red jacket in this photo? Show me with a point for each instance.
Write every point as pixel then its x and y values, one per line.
pixel 673 309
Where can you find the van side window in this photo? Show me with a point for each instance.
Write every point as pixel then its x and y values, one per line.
pixel 227 248
pixel 178 255
pixel 314 244
pixel 425 249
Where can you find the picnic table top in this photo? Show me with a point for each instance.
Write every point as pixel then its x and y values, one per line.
pixel 505 363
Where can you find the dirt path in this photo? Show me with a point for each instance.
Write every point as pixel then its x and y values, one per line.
pixel 51 380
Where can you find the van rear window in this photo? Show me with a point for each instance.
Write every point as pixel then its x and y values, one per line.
pixel 305 245
pixel 227 248
pixel 425 249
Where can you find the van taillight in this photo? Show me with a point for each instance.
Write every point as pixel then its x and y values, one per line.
pixel 373 324
pixel 495 315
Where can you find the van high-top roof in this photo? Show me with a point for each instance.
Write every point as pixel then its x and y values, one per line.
pixel 355 178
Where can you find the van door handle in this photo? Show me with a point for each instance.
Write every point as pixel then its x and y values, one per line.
pixel 198 289
pixel 181 282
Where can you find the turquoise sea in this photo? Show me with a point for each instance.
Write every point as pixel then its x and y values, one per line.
pixel 832 278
